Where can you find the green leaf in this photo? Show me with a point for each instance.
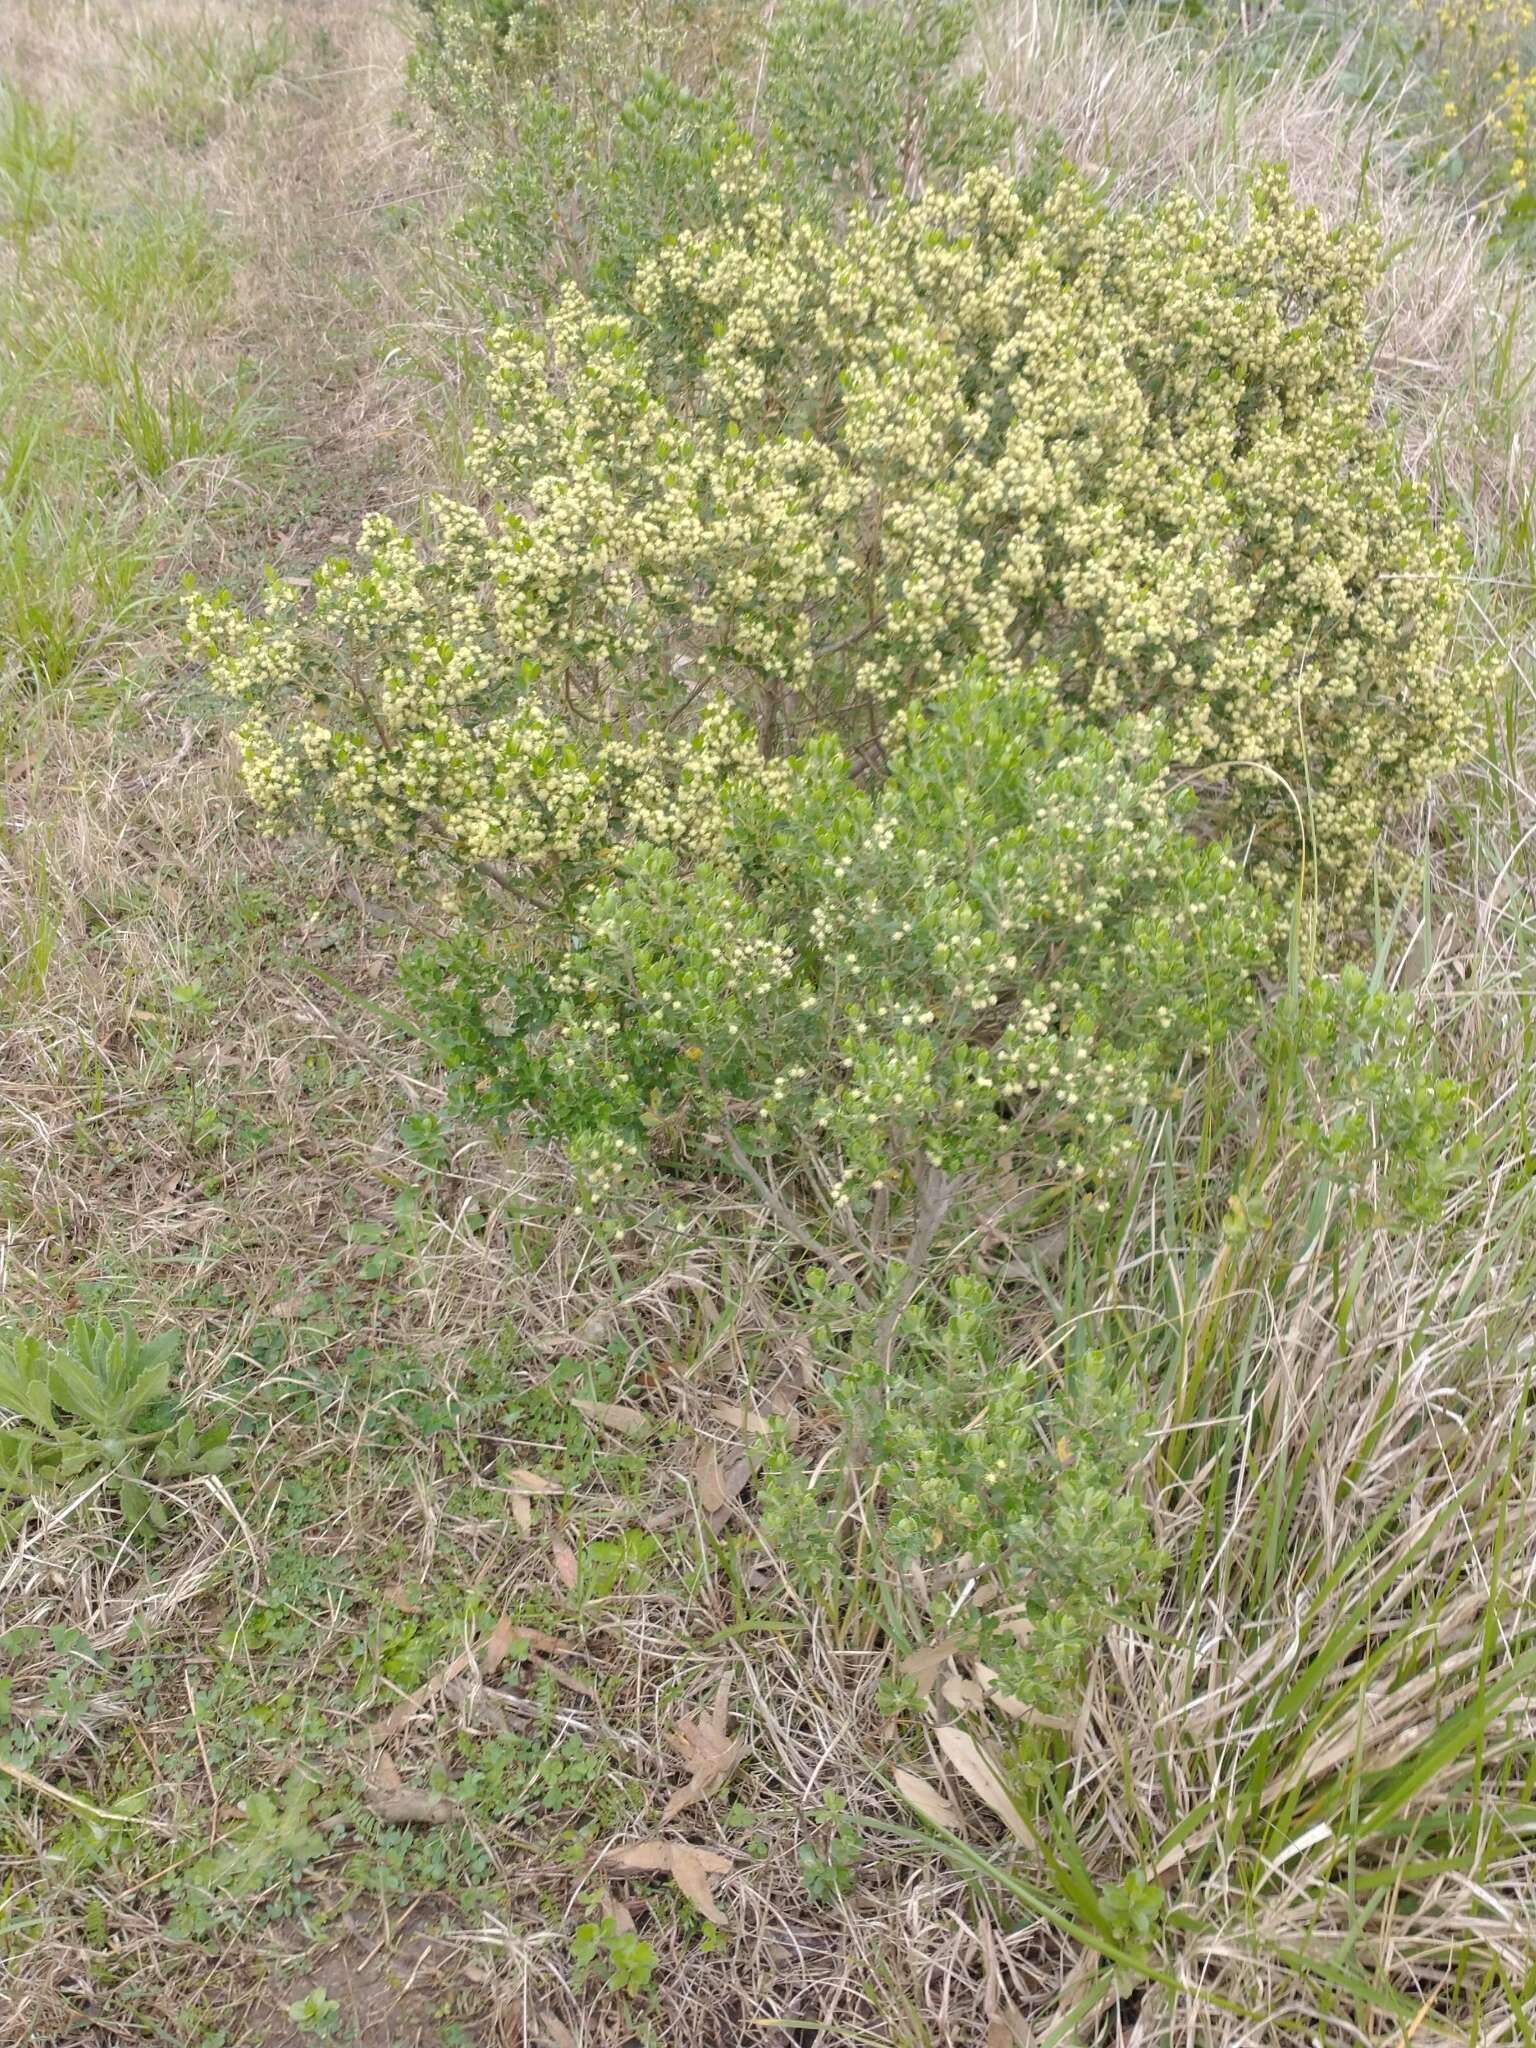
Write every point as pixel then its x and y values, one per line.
pixel 23 1379
pixel 136 1503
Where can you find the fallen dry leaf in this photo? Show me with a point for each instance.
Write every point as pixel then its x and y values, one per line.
pixel 719 1480
pixel 386 1794
pixel 614 1909
pixel 640 1856
pixel 573 1681
pixel 492 1653
pixel 1007 2030
pixel 929 1801
pixel 614 1415
pixel 971 1761
pixel 541 1639
pixel 923 1665
pixel 566 1567
pixel 1015 1709
pixel 524 1481
pixel 410 1805
pixel 477 1708
pixel 707 1750
pixel 553 2033
pixel 691 1873
pixel 527 1485
pixel 691 1870
pixel 963 1694
pixel 750 1423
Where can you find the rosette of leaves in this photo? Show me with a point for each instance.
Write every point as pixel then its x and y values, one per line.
pixel 98 1406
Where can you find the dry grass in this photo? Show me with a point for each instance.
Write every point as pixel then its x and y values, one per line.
pixel 201 1116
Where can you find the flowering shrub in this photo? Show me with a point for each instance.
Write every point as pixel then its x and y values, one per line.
pixel 813 471
pixel 999 955
pixel 475 61
pixel 851 102
pixel 985 1467
pixel 466 49
pixel 581 195
pixel 863 101
pixel 515 789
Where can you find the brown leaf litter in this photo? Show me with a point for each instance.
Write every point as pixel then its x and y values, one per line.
pixel 710 1754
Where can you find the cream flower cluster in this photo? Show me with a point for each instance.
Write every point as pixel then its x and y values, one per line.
pixel 1486 73
pixel 813 472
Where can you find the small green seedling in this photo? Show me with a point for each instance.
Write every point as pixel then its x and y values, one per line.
pixel 316 2013
pixel 828 1864
pixel 1133 1911
pixel 621 1962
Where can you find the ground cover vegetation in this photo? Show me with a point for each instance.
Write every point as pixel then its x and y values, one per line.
pixel 767 1188
pixel 1452 85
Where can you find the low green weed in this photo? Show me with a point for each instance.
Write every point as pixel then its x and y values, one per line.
pixel 614 1957
pixel 982 1461
pixel 99 1407
pixel 316 2015
pixel 829 1859
pixel 175 424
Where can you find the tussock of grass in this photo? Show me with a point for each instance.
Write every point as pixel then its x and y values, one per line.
pixel 110 427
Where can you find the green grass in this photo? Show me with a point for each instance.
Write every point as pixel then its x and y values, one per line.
pixel 184 79
pixel 117 421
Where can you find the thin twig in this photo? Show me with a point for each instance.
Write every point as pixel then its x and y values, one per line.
pixel 935 1196
pixel 47 1791
pixel 202 1750
pixel 786 1218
